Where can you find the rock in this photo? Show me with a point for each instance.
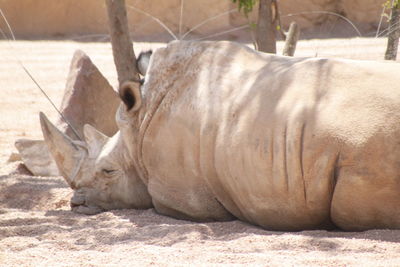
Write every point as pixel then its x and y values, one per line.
pixel 36 157
pixel 21 169
pixel 88 98
pixel 14 157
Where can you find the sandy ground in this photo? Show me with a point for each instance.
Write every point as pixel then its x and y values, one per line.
pixel 38 229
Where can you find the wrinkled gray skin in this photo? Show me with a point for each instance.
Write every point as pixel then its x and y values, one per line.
pixel 99 168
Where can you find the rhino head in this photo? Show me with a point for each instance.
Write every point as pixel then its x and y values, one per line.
pixel 100 169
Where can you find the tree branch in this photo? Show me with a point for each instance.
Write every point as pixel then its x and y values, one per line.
pixel 394 32
pixel 266 41
pixel 124 56
pixel 291 40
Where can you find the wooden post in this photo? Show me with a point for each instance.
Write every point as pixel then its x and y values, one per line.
pixel 291 40
pixel 124 56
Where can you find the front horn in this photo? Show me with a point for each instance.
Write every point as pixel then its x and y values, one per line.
pixel 67 155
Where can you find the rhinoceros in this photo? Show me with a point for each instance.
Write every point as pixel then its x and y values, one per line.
pixel 218 131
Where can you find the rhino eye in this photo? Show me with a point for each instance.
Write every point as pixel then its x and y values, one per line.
pixel 108 171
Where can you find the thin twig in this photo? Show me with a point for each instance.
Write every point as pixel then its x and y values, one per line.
pixel 180 20
pixel 51 102
pixel 208 20
pixel 380 21
pixel 328 13
pixel 392 30
pixel 154 18
pixel 221 33
pixel 31 77
pixel 388 30
pixel 8 25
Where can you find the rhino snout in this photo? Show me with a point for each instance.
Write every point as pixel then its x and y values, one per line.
pixel 78 204
pixel 77 199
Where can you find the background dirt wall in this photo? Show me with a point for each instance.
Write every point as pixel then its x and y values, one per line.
pixel 70 18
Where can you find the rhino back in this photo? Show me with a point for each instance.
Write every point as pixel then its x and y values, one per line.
pixel 265 136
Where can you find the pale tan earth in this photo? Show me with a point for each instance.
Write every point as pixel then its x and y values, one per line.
pixel 38 229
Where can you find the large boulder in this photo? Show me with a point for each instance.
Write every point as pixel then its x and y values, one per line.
pixel 88 99
pixel 36 157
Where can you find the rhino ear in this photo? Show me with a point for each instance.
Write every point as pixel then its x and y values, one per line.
pixel 94 138
pixel 143 62
pixel 130 94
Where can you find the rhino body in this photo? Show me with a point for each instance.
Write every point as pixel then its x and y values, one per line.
pixel 225 132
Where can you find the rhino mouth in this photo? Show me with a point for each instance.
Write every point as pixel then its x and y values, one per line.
pixel 79 205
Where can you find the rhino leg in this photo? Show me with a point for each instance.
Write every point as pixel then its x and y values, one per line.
pixel 359 204
pixel 194 205
pixel 164 210
pixel 174 213
pixel 367 192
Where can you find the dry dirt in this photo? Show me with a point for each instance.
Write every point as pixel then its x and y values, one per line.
pixel 38 229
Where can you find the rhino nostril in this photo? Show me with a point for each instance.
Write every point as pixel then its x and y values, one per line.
pixel 73 205
pixel 72 185
pixel 76 204
pixel 88 210
pixel 77 199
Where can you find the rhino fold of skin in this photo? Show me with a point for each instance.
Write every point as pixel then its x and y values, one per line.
pixel 88 99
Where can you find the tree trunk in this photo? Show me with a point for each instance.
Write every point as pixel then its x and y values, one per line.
pixel 291 40
pixel 266 41
pixel 124 56
pixel 394 32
